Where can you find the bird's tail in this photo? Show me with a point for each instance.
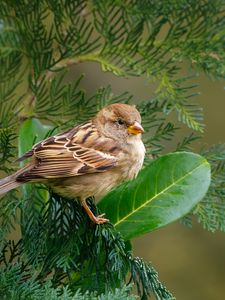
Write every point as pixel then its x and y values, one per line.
pixel 8 183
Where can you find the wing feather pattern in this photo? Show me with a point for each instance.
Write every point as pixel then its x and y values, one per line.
pixel 66 155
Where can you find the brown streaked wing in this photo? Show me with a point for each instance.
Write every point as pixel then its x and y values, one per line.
pixel 61 138
pixel 60 156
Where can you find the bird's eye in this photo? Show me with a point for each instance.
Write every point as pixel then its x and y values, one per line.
pixel 120 122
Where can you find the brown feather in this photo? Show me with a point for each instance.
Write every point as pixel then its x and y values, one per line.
pixel 8 184
pixel 63 156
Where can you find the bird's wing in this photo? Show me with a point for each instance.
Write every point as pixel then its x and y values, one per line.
pixel 69 154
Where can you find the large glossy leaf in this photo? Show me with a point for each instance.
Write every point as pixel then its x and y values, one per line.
pixel 163 192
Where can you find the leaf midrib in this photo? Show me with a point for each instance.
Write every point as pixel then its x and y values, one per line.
pixel 157 195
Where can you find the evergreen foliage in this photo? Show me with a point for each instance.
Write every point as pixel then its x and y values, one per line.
pixel 39 41
pixel 60 243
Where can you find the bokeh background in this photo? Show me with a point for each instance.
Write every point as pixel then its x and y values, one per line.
pixel 191 262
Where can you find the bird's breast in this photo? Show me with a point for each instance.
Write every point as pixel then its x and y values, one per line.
pixel 133 159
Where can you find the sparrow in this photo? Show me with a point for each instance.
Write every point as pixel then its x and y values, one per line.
pixel 87 160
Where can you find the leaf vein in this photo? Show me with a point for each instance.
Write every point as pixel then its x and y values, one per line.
pixel 157 195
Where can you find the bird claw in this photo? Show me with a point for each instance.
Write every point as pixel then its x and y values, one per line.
pixel 100 220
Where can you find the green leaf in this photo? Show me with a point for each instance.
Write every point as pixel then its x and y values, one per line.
pixel 163 192
pixel 31 132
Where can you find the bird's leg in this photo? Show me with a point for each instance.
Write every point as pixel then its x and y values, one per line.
pixel 97 220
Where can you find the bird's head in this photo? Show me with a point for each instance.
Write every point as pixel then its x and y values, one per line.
pixel 119 121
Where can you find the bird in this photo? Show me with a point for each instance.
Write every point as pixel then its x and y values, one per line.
pixel 88 160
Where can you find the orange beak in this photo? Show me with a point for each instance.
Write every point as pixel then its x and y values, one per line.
pixel 135 128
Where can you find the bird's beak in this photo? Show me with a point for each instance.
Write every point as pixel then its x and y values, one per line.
pixel 135 128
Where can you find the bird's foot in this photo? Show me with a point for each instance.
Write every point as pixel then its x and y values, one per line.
pixel 99 219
